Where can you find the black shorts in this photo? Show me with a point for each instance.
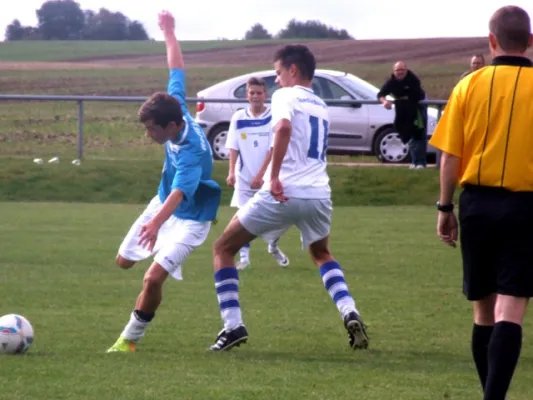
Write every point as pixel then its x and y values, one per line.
pixel 496 235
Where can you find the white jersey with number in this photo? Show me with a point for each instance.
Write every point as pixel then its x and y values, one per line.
pixel 251 137
pixel 303 170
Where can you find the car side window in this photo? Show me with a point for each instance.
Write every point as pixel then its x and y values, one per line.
pixel 331 89
pixel 240 92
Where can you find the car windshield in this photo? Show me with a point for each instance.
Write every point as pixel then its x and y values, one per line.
pixel 362 88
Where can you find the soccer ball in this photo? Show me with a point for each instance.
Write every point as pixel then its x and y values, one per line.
pixel 16 334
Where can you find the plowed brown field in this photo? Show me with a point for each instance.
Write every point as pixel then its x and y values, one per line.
pixel 433 51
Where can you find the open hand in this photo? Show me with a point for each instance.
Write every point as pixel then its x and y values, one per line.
pixel 148 234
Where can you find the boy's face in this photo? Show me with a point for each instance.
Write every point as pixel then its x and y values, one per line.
pixel 285 76
pixel 256 95
pixel 159 134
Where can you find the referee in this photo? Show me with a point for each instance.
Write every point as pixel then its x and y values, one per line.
pixel 486 139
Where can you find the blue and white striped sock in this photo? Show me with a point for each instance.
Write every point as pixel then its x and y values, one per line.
pixel 333 279
pixel 227 286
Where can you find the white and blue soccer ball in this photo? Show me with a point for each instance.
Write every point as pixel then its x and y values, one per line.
pixel 16 334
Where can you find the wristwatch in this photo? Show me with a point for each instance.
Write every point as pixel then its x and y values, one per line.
pixel 444 207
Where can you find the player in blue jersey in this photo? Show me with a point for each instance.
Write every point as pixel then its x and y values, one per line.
pixel 179 217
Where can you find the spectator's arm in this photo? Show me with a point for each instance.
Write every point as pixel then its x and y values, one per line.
pixel 385 91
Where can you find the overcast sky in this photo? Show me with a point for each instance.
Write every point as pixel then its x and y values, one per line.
pixel 364 19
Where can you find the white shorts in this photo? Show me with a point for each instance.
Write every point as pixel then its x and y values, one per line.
pixel 177 238
pixel 241 197
pixel 268 219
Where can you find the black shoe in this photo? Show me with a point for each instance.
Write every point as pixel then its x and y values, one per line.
pixel 226 340
pixel 358 338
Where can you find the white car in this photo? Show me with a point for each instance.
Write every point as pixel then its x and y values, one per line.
pixel 355 129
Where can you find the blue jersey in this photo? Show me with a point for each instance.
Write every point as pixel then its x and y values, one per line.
pixel 189 164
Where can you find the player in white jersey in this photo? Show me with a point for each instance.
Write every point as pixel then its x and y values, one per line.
pixel 249 142
pixel 296 192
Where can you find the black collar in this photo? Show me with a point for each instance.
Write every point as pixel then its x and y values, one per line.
pixel 513 61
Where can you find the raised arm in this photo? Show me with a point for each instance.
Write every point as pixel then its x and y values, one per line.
pixel 174 54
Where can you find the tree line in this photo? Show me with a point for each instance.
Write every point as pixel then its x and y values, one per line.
pixel 298 29
pixel 66 20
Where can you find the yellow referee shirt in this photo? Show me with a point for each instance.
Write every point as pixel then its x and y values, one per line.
pixel 488 123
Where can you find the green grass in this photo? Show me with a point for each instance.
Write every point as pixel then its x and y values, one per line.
pixel 135 181
pixel 75 50
pixel 57 270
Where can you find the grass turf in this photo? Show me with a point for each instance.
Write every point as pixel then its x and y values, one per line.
pixel 57 268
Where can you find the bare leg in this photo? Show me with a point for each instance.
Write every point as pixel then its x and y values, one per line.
pixel 147 303
pixel 123 262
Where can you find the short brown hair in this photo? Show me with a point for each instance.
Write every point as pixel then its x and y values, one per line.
pixel 161 108
pixel 255 81
pixel 512 28
pixel 299 55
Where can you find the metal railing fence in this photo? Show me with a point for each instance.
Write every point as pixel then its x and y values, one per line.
pixel 81 99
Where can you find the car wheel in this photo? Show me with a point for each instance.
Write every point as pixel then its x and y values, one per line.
pixel 389 148
pixel 217 140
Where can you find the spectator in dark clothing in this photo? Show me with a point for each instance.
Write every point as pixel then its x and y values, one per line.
pixel 476 62
pixel 411 117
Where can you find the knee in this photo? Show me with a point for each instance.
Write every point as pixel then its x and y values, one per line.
pixel 151 282
pixel 484 311
pixel 320 255
pixel 123 262
pixel 510 309
pixel 222 246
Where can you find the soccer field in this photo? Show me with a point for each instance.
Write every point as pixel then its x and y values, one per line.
pixel 57 269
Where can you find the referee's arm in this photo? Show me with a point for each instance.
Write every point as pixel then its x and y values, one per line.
pixel 448 137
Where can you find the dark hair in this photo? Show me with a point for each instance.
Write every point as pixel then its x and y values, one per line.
pixel 254 81
pixel 161 108
pixel 512 28
pixel 300 56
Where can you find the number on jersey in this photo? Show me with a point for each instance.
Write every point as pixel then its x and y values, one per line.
pixel 317 148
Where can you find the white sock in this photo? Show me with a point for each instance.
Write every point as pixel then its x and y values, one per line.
pixel 135 328
pixel 273 246
pixel 346 305
pixel 245 253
